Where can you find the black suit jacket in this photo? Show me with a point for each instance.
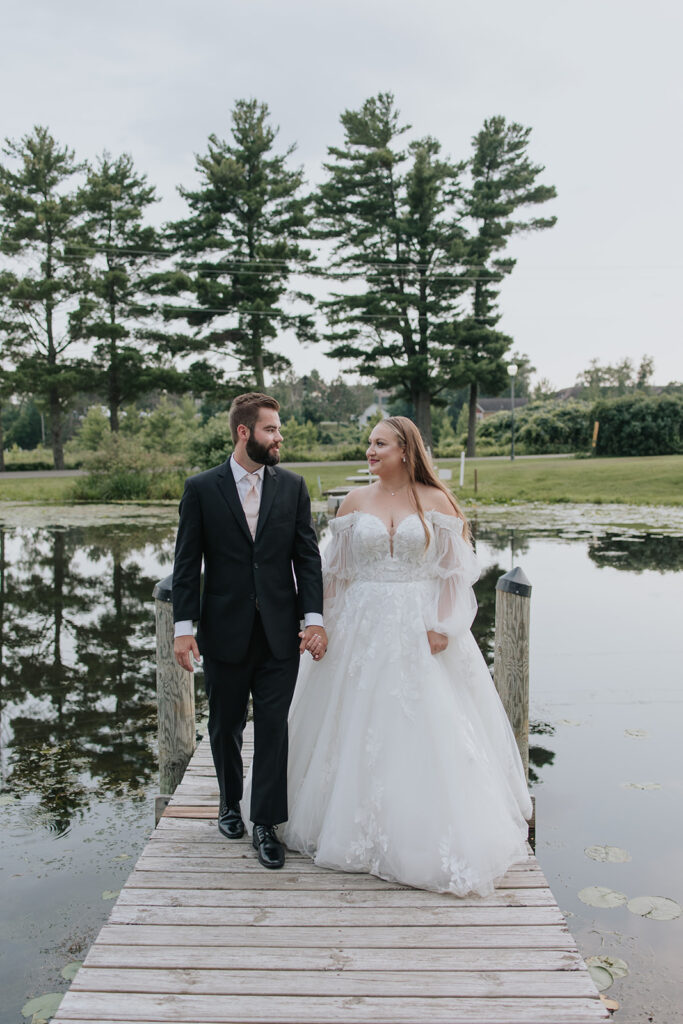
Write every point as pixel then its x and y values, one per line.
pixel 279 569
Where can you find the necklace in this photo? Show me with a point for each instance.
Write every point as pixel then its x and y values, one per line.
pixel 392 493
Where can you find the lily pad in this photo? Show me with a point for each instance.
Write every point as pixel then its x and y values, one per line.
pixel 642 785
pixel 6 799
pixel 110 894
pixel 659 908
pixel 42 1007
pixel 636 734
pixel 613 854
pixel 601 896
pixel 601 976
pixel 617 968
pixel 71 970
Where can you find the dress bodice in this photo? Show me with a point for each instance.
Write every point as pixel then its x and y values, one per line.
pixel 403 556
pixel 438 576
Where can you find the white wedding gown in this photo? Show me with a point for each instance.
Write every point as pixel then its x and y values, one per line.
pixel 402 763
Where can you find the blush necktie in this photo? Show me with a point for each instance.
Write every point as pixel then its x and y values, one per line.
pixel 251 503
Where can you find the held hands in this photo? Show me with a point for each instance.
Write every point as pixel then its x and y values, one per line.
pixel 313 639
pixel 438 642
pixel 183 647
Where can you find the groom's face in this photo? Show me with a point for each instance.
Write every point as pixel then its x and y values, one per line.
pixel 263 445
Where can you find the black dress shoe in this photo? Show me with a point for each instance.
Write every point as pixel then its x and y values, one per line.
pixel 271 852
pixel 230 822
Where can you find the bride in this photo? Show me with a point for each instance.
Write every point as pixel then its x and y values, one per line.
pixel 402 762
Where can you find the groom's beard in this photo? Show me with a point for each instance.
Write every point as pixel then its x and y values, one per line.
pixel 264 455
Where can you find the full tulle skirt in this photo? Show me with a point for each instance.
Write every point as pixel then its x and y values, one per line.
pixel 403 763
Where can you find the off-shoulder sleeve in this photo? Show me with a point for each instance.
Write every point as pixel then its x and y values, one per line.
pixel 454 605
pixel 337 563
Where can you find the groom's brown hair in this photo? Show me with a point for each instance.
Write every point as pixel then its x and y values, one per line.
pixel 245 410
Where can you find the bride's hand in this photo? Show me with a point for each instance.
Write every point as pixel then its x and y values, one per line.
pixel 438 642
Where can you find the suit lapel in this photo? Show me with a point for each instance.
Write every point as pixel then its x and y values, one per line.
pixel 268 494
pixel 228 488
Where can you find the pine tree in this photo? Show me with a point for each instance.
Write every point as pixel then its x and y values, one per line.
pixel 240 246
pixel 391 214
pixel 129 360
pixel 39 221
pixel 503 180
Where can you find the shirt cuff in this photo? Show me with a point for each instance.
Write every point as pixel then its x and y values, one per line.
pixel 313 619
pixel 183 628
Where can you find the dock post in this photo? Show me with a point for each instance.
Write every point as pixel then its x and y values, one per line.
pixel 511 654
pixel 175 697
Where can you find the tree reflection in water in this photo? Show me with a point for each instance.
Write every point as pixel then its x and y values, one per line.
pixel 77 653
pixel 658 552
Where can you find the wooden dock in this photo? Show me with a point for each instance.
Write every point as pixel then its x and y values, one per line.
pixel 202 933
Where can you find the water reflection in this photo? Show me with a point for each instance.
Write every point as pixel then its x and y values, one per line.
pixel 77 657
pixel 77 697
pixel 660 552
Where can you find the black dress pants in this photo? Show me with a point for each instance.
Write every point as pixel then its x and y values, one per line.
pixel 271 682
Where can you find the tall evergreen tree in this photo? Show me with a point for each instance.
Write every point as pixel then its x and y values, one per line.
pixel 391 214
pixel 503 180
pixel 128 361
pixel 240 246
pixel 39 221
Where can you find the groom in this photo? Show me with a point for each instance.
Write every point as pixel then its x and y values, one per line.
pixel 250 524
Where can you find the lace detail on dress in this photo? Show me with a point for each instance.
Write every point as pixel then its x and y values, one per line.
pixel 402 763
pixel 462 877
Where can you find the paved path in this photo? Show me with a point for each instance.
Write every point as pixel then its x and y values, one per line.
pixel 29 474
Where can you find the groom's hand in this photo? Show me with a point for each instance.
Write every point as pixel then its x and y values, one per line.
pixel 313 639
pixel 183 647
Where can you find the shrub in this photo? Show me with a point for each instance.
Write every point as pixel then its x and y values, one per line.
pixel 170 427
pixel 94 429
pixel 540 428
pixel 212 443
pixel 122 470
pixel 639 425
pixel 554 427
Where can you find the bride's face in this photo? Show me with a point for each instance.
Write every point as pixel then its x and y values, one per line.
pixel 384 453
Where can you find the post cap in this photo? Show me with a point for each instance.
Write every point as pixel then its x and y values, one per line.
pixel 515 582
pixel 162 591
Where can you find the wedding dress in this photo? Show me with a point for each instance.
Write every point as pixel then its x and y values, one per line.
pixel 402 763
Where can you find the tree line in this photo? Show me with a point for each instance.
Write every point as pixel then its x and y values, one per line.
pixel 395 260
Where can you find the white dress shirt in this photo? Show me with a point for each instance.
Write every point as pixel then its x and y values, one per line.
pixel 184 627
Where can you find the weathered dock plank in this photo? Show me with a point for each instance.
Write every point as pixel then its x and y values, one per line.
pixel 202 934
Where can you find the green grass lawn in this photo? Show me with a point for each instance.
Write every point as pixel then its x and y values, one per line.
pixel 656 480
pixel 46 489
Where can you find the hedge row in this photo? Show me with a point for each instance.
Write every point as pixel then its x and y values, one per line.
pixel 631 425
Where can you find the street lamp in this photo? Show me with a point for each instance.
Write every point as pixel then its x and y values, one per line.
pixel 512 370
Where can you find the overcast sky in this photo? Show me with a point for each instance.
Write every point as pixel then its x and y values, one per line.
pixel 598 81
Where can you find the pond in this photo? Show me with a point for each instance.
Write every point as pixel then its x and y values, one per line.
pixel 78 770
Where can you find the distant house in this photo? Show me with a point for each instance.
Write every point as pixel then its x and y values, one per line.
pixel 568 393
pixel 381 396
pixel 488 406
pixel 372 411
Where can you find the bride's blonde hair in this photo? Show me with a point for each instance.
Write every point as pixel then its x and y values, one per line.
pixel 420 469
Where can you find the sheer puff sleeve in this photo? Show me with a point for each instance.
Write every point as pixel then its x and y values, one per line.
pixel 454 605
pixel 337 564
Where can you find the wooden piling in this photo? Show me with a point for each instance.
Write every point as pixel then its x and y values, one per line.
pixel 175 697
pixel 511 654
